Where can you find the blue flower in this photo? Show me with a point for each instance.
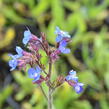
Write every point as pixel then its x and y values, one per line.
pixel 61 34
pixel 62 47
pixel 34 73
pixel 27 36
pixel 19 51
pixel 72 76
pixel 78 87
pixel 13 64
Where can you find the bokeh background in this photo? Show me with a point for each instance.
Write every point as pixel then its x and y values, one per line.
pixel 87 21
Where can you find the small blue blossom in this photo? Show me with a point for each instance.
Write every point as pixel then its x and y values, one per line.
pixel 13 56
pixel 72 76
pixel 78 87
pixel 34 73
pixel 13 64
pixel 19 54
pixel 62 47
pixel 19 51
pixel 61 34
pixel 27 36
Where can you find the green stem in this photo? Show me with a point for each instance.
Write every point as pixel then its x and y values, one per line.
pixel 50 99
pixel 50 89
pixel 43 92
pixel 50 67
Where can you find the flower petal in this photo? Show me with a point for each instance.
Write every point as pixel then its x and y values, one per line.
pixel 36 78
pixel 59 38
pixel 38 69
pixel 78 89
pixel 31 72
pixel 68 77
pixel 72 72
pixel 63 43
pixel 13 63
pixel 19 50
pixel 57 31
pixel 80 84
pixel 27 36
pixel 64 50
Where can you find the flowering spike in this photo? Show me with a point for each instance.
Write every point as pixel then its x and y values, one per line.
pixel 33 58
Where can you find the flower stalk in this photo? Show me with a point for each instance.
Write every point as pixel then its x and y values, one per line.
pixel 50 99
pixel 43 92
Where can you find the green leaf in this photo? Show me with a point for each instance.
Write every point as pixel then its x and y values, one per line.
pixel 89 78
pixel 12 15
pixel 81 104
pixel 7 91
pixel 104 103
pixel 58 12
pixel 44 58
pixel 40 8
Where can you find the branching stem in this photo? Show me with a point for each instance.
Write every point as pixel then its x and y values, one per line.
pixel 43 92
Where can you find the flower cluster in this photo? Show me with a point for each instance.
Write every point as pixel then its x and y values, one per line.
pixel 32 57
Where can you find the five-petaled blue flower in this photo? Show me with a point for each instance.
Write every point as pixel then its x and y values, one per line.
pixel 61 34
pixel 34 73
pixel 13 63
pixel 62 47
pixel 27 36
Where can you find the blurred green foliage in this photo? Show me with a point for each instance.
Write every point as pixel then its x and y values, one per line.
pixel 87 19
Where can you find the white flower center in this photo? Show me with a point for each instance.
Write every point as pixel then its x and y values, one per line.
pixel 77 88
pixel 35 75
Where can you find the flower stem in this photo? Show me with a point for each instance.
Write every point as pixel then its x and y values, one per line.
pixel 43 92
pixel 50 99
pixel 50 89
pixel 50 68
